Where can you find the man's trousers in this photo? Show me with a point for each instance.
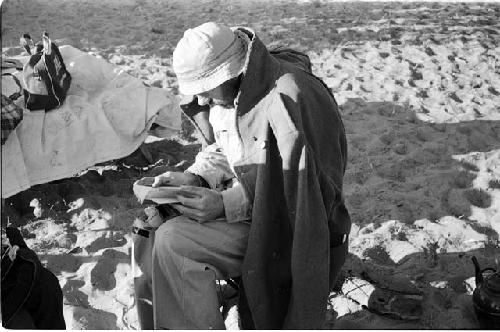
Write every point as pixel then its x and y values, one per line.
pixel 180 263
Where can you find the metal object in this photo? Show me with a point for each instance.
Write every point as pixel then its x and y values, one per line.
pixel 486 296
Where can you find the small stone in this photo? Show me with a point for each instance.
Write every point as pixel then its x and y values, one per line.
pixel 400 148
pixel 387 138
pixel 395 305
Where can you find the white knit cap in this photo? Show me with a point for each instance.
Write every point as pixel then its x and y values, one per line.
pixel 207 56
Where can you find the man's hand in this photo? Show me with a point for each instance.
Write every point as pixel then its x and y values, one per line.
pixel 200 204
pixel 174 179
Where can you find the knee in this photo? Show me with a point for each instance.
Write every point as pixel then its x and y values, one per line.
pixel 169 238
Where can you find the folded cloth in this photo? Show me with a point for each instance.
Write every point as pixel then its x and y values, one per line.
pixel 11 63
pixel 12 114
pixel 106 115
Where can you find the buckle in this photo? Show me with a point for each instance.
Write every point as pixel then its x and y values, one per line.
pixel 140 231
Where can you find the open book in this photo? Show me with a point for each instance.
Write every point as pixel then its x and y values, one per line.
pixel 160 195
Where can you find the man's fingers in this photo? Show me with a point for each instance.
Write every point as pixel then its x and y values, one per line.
pixel 191 202
pixel 160 181
pixel 192 191
pixel 189 212
pixel 191 196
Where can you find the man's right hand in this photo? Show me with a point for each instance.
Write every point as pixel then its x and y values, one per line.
pixel 175 179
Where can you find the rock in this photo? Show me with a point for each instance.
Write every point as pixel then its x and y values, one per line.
pixel 478 197
pixel 400 148
pixel 157 84
pixel 384 278
pixel 157 30
pixel 387 138
pixel 396 305
pixel 92 319
pixel 458 205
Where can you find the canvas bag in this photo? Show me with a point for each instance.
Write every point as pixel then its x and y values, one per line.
pixel 46 80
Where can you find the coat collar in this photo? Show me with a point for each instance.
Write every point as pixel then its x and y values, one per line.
pixel 259 74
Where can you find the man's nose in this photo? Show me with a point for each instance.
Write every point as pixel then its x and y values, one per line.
pixel 203 100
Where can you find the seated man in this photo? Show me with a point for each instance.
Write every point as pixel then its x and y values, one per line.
pixel 264 201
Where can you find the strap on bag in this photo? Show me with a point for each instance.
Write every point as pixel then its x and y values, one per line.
pixel 19 93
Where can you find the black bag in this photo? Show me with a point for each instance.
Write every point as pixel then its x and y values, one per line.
pixel 46 80
pixel 31 294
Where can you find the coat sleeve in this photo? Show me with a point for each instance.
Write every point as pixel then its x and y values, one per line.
pixel 212 165
pixel 307 148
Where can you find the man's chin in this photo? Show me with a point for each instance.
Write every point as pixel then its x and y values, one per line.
pixel 222 103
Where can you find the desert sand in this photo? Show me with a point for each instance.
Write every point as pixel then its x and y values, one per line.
pixel 418 86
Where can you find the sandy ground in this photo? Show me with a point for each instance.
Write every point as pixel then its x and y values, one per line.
pixel 419 91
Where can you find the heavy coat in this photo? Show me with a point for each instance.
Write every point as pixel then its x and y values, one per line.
pixel 295 155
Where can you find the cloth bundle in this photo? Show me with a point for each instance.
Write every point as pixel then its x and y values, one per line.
pixel 12 114
pixel 106 115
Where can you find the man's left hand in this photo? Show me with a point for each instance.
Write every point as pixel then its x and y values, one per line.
pixel 200 204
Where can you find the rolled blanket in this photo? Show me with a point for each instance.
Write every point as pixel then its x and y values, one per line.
pixel 12 114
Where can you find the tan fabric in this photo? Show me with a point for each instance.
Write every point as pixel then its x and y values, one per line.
pixel 187 258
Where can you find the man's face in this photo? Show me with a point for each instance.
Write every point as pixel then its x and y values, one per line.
pixel 222 95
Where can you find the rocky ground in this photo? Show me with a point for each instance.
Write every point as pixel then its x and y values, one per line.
pixel 418 88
